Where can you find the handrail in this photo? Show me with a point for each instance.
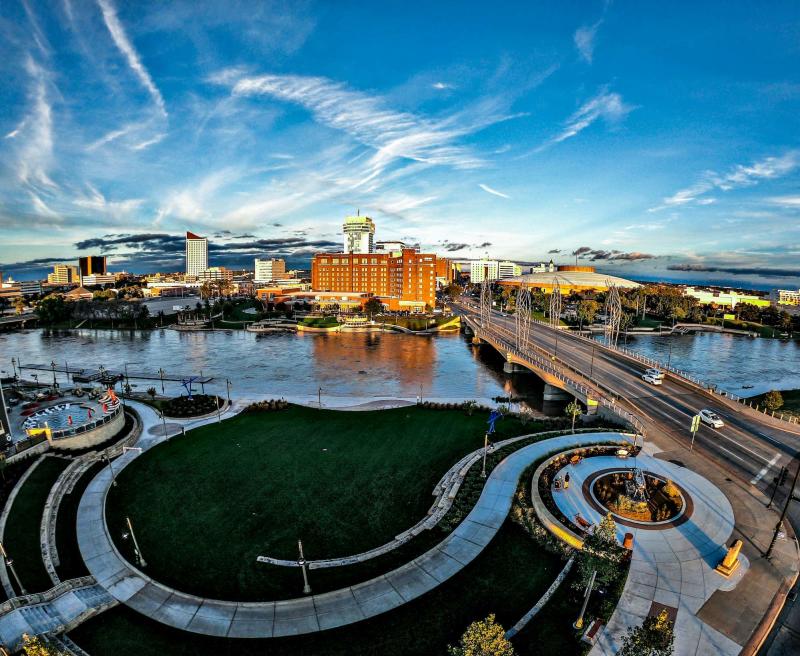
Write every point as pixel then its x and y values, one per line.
pixel 47 595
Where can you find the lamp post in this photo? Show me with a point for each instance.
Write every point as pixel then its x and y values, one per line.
pixel 302 562
pixel 228 389
pixel 53 367
pixel 10 565
pixel 319 398
pixel 783 514
pixel 14 365
pixel 161 375
pixel 111 467
pixel 591 366
pixel 579 622
pixel 163 422
pixel 137 552
pixel 485 448
pixel 669 357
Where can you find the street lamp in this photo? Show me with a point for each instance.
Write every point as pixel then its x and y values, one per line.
pixel 302 562
pixel 10 565
pixel 579 622
pixel 783 515
pixel 111 467
pixel 14 365
pixel 53 367
pixel 319 398
pixel 161 375
pixel 485 448
pixel 591 365
pixel 228 389
pixel 136 551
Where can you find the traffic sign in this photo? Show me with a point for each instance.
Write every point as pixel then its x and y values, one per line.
pixel 695 423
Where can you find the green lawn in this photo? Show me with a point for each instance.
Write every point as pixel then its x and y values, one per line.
pixel 71 563
pixel 507 579
pixel 204 506
pixel 21 535
pixel 791 402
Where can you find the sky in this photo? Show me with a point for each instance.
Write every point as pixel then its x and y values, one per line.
pixel 648 139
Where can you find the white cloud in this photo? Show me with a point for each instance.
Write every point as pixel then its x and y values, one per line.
pixel 113 135
pixel 441 85
pixel 494 192
pixel 584 40
pixel 605 105
pixel 125 46
pixel 785 201
pixel 739 176
pixel 97 202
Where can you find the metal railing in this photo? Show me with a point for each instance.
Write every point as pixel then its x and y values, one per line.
pixel 47 595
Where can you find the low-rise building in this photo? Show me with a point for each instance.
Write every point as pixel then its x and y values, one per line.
pixel 98 279
pixel 724 297
pixel 480 270
pixel 215 273
pixel 785 296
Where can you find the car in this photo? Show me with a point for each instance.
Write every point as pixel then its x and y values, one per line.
pixel 653 380
pixel 655 373
pixel 711 418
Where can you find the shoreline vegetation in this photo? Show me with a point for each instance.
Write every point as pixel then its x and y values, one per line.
pixel 787 402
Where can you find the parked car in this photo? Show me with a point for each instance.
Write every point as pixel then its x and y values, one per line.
pixel 653 380
pixel 711 418
pixel 655 373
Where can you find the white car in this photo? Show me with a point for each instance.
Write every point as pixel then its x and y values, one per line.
pixel 711 418
pixel 655 373
pixel 653 380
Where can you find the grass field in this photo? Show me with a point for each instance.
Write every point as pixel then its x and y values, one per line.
pixel 791 402
pixel 204 506
pixel 21 535
pixel 507 579
pixel 71 563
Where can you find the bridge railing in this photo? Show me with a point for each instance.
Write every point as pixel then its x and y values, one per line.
pixel 557 369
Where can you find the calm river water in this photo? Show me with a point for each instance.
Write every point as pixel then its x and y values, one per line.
pixel 370 365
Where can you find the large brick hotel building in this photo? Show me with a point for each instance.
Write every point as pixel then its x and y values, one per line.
pixel 403 280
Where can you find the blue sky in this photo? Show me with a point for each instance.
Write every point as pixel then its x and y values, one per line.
pixel 652 139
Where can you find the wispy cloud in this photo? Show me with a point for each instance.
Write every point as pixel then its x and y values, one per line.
pixel 149 142
pixel 494 192
pixel 36 132
pixel 584 40
pixel 606 105
pixel 737 177
pixel 369 121
pixel 97 202
pixel 125 46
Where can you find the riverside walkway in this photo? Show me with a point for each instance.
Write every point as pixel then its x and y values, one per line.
pixel 314 613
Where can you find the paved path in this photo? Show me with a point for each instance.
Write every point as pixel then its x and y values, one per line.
pixel 68 608
pixel 306 614
pixel 672 566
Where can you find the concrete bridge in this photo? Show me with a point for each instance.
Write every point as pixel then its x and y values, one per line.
pixel 17 320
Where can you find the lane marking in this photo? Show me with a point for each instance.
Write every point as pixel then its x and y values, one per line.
pixel 766 468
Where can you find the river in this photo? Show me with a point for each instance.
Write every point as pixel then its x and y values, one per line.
pixel 374 365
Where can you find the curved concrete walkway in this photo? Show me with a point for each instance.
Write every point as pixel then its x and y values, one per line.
pixel 318 612
pixel 673 565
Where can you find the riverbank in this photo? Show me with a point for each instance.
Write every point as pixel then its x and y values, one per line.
pixel 791 402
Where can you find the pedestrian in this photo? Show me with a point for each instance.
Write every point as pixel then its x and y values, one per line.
pixel 566 480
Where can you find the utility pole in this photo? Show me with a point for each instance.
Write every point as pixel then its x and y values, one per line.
pixel 139 557
pixel 783 515
pixel 780 479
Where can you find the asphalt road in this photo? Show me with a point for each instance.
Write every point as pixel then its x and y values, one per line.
pixel 751 449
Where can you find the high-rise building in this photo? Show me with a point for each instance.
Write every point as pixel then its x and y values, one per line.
pixel 64 274
pixel 480 270
pixel 359 232
pixel 403 281
pixel 92 265
pixel 269 270
pixel 196 254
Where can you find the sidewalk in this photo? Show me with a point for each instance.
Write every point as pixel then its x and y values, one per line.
pixel 313 613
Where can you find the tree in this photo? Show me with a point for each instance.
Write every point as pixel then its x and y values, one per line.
pixel 773 400
pixel 453 291
pixel 34 646
pixel 587 311
pixel 53 309
pixel 654 637
pixel 151 391
pixel 601 553
pixel 483 638
pixel 373 306
pixel 573 410
pixel 19 305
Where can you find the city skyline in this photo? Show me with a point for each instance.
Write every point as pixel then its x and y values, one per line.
pixel 528 134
